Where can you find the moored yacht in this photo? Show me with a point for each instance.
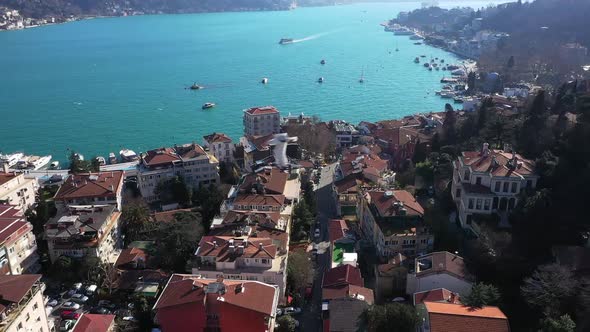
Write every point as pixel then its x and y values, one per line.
pixel 11 159
pixel 112 158
pixel 33 162
pixel 54 165
pixel 128 155
pixel 101 161
pixel 208 105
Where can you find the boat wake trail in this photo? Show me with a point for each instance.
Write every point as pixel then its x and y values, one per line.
pixel 312 37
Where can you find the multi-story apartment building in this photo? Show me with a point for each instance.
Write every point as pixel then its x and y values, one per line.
pixel 84 231
pixel 221 146
pixel 92 189
pixel 242 258
pixel 346 134
pixel 262 121
pixel 16 190
pixel 489 182
pixel 18 247
pixel 21 304
pixel 190 161
pixel 392 222
pixel 192 303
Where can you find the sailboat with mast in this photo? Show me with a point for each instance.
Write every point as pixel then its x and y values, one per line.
pixel 362 79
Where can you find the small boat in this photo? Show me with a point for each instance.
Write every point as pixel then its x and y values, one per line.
pixel 458 100
pixel 362 79
pixel 112 158
pixel 54 165
pixel 208 105
pixel 447 94
pixel 195 86
pixel 323 62
pixel 430 68
pixel 128 155
pixel 423 56
pixel 426 64
pixel 321 80
pixel 286 41
pixel 417 60
pixel 417 43
pixel 101 161
pixel 79 156
pixel 264 80
pixel 434 65
pixel 437 68
pixel 442 60
pixel 11 159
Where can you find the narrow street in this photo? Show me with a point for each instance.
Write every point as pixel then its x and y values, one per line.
pixel 311 316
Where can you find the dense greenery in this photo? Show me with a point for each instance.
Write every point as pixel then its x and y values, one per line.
pixel 481 295
pixel 299 273
pixel 83 166
pixel 301 221
pixel 393 317
pixel 286 323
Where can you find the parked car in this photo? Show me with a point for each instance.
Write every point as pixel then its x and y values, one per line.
pixel 77 286
pixel 292 310
pixel 79 298
pixel 52 302
pixel 100 311
pixel 130 319
pixel 69 314
pixel 69 293
pixel 67 325
pixel 70 306
pixel 90 290
pixel 279 312
pixel 317 233
pixel 107 304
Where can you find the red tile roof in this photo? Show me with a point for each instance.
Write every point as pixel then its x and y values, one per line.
pixel 161 156
pixel 94 323
pixel 260 142
pixel 246 295
pixel 252 217
pixel 343 275
pixel 262 110
pixel 217 138
pixel 260 200
pixel 5 177
pixel 14 287
pixel 441 261
pixel 384 202
pixel 219 247
pixel 273 181
pixel 130 255
pixel 279 237
pixel 436 295
pixel 481 162
pixel 345 291
pixel 90 185
pixel 168 216
pixel 337 229
pixel 444 317
pixel 190 151
pixel 11 223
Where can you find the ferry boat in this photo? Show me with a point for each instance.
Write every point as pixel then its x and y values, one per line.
pixel 112 158
pixel 286 41
pixel 208 105
pixel 195 86
pixel 128 155
pixel 321 80
pixel 11 159
pixel 101 161
pixel 264 80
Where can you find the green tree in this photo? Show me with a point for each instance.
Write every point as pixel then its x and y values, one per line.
pixel 208 200
pixel 420 152
pixel 299 271
pixel 142 312
pixel 286 323
pixel 481 295
pixel 178 240
pixel 309 196
pixel 425 170
pixel 174 190
pixel 535 135
pixel 135 216
pixel 393 317
pixel 551 288
pixel 562 324
pixel 302 219
pixel 471 79
pixel 510 62
pixel 450 125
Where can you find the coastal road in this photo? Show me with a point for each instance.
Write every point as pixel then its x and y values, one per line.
pixel 311 318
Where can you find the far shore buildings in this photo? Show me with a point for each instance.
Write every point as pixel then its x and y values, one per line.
pixel 22 305
pixel 392 221
pixel 17 190
pixel 221 146
pixel 191 303
pixel 18 246
pixel 190 161
pixel 488 183
pixel 262 121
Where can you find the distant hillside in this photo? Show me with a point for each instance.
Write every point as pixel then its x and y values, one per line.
pixel 65 8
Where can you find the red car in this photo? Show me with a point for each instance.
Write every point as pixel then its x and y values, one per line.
pixel 70 315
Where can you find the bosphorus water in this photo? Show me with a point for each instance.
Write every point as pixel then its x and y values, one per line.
pixel 99 85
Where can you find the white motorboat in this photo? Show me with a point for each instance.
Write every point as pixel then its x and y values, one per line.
pixel 112 158
pixel 11 159
pixel 128 155
pixel 264 80
pixel 33 162
pixel 101 160
pixel 54 165
pixel 321 80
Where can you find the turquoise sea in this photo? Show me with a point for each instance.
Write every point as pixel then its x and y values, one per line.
pixel 98 85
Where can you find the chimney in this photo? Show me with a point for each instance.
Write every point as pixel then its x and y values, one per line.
pixel 260 246
pixel 485 149
pixel 214 244
pixel 111 188
pixel 195 285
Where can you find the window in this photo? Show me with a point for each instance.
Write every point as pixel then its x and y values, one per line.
pixel 20 326
pixel 28 317
pixel 394 242
pixel 486 204
pixel 470 206
pixel 505 187
pixel 529 183
pixel 424 241
pixel 478 204
pixel 497 186
pixel 458 193
pixel 469 219
pixel 35 306
pixel 513 188
pixel 466 175
pixel 478 180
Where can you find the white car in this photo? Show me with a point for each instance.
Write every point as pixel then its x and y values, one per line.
pixel 52 303
pixel 77 285
pixel 317 233
pixel 130 319
pixel 279 312
pixel 70 306
pixel 292 310
pixel 79 298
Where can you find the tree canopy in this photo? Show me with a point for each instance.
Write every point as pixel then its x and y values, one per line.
pixel 392 317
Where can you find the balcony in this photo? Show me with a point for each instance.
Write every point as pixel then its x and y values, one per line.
pixel 14 310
